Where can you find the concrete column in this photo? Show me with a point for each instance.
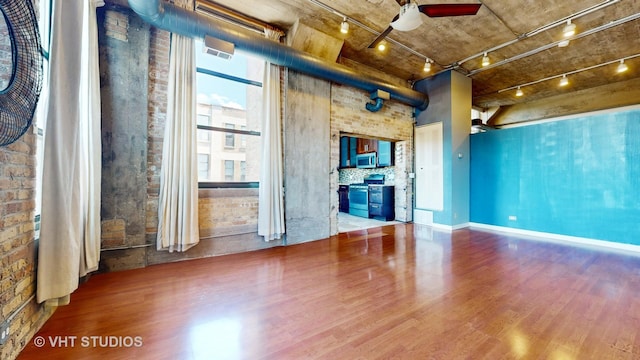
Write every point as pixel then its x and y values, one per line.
pixel 450 104
pixel 306 158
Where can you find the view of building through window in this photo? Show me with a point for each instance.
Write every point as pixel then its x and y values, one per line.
pixel 229 118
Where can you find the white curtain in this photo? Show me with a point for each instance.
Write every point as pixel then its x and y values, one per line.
pixel 69 245
pixel 178 203
pixel 271 194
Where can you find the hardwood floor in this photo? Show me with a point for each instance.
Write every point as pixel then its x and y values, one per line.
pixel 398 291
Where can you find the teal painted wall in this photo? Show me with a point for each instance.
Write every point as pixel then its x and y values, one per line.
pixel 577 177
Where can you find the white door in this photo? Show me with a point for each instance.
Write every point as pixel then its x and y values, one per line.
pixel 429 167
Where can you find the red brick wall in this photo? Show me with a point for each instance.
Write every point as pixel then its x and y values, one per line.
pixel 159 45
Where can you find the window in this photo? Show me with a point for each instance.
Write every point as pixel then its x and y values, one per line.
pixel 229 119
pixel 228 170
pixel 204 135
pixel 203 166
pixel 44 26
pixel 229 138
pixel 243 138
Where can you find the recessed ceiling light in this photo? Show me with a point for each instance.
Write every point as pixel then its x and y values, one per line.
pixel 382 46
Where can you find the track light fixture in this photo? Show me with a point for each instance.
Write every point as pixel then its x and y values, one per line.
pixel 622 67
pixel 569 29
pixel 427 65
pixel 564 81
pixel 485 60
pixel 563 43
pixel 344 27
pixel 519 92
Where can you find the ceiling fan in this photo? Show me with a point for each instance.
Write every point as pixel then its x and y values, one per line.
pixel 409 17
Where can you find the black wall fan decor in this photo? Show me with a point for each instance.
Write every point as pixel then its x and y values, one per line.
pixel 23 78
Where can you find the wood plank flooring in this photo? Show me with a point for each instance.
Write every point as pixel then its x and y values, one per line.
pixel 400 291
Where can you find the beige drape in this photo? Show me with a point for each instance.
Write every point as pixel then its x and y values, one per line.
pixel 271 193
pixel 69 244
pixel 178 200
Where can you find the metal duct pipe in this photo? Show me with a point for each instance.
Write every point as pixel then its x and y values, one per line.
pixel 375 107
pixel 172 18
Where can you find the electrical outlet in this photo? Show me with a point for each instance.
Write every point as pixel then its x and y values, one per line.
pixel 4 332
pixel 513 218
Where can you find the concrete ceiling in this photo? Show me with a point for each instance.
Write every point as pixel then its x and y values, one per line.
pixel 449 40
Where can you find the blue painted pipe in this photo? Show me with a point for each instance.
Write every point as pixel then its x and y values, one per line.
pixel 177 20
pixel 375 107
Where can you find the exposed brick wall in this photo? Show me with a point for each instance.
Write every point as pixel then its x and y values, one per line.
pixel 116 25
pixel 227 211
pixel 17 244
pixel 159 45
pixel 124 41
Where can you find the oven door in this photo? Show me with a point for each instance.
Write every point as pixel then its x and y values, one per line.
pixel 359 201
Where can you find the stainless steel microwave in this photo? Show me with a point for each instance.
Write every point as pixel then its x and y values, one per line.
pixel 366 161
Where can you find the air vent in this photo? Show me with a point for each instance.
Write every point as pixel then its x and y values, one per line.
pixel 219 48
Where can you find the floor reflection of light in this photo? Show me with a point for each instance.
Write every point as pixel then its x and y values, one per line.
pixel 519 344
pixel 219 339
pixel 561 355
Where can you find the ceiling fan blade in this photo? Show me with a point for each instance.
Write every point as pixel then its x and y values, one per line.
pixel 380 37
pixel 442 10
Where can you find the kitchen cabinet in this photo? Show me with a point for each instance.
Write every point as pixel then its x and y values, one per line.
pixel 367 146
pixel 381 202
pixel 386 153
pixel 348 151
pixel 343 198
pixel 344 152
pixel 353 150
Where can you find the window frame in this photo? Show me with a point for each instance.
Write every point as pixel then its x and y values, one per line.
pixel 243 133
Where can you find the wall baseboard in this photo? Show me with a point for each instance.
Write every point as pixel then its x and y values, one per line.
pixel 449 228
pixel 563 239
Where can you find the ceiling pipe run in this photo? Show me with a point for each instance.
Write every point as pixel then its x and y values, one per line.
pixel 177 20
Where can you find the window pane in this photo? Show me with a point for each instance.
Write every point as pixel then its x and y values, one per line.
pixel 221 156
pixel 228 170
pixel 229 138
pixel 228 104
pixel 204 119
pixel 203 166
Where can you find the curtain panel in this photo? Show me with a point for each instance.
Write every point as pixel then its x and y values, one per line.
pixel 271 192
pixel 178 200
pixel 69 246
